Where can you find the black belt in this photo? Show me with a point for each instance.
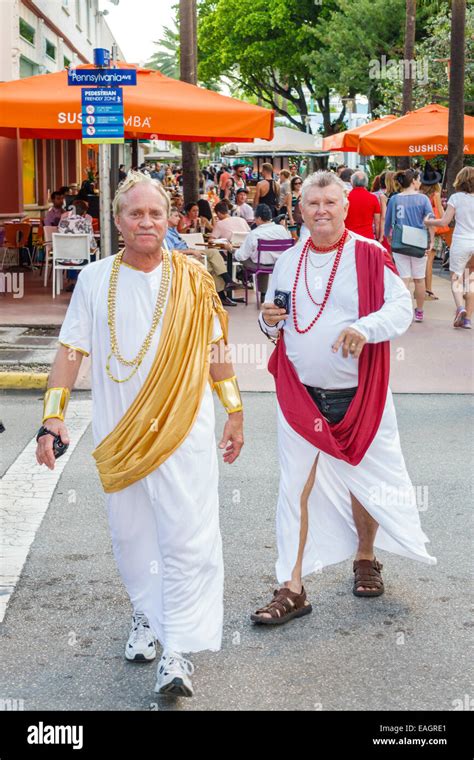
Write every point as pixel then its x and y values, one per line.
pixel 333 404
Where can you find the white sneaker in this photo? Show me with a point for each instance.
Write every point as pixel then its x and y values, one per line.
pixel 141 646
pixel 172 678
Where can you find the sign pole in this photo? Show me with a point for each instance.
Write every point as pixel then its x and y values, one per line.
pixel 103 124
pixel 104 200
pixel 114 181
pixel 114 171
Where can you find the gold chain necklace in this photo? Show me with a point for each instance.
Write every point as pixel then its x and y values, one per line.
pixel 111 304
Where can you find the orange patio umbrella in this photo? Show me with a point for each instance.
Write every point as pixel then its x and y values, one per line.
pixel 419 133
pixel 45 107
pixel 348 141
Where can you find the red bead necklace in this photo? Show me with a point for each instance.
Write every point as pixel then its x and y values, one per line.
pixel 304 259
pixel 326 248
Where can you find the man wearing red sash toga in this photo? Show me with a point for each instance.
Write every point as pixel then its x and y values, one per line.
pixel 344 485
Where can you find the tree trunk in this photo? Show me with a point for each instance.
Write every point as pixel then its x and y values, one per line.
pixel 456 93
pixel 407 103
pixel 324 106
pixel 188 73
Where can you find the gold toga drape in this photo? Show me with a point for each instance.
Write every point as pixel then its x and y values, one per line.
pixel 164 411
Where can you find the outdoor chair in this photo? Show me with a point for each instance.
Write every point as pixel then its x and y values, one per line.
pixel 69 248
pixel 237 239
pixel 269 246
pixel 48 250
pixel 193 239
pixel 16 240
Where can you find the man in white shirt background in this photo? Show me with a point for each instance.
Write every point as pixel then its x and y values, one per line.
pixel 266 229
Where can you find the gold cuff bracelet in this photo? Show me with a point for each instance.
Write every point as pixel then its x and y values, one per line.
pixel 229 394
pixel 55 403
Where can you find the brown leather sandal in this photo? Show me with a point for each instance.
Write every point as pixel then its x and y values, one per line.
pixel 285 605
pixel 367 573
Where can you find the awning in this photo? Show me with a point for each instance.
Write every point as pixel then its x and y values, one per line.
pixel 419 133
pixel 158 107
pixel 348 141
pixel 285 142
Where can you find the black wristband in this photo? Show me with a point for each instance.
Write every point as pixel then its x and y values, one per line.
pixel 59 448
pixel 44 431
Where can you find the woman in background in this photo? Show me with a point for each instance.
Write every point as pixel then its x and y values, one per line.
pixel 192 222
pixel 432 189
pixel 460 207
pixel 294 210
pixel 409 207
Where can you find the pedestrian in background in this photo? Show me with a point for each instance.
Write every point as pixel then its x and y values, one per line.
pixel 461 257
pixel 364 213
pixel 430 186
pixel 408 208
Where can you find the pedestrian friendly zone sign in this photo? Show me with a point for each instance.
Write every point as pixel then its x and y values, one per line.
pixel 102 115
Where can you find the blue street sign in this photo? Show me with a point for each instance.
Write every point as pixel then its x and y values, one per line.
pixel 101 57
pixel 101 77
pixel 102 115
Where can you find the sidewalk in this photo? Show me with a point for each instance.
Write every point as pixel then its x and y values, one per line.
pixel 429 358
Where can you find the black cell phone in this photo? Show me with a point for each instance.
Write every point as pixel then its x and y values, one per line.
pixel 59 448
pixel 282 299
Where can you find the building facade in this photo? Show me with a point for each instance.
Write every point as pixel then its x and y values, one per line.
pixel 39 37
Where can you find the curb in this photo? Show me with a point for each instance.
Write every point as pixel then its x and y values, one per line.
pixel 26 380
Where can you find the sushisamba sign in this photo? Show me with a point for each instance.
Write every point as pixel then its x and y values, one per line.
pixel 439 148
pixel 139 122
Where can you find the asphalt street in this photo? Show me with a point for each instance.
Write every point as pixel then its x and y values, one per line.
pixel 63 635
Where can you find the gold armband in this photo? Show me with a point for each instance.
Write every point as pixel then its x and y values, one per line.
pixel 229 394
pixel 55 403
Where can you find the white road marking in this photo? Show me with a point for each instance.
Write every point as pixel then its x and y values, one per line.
pixel 26 490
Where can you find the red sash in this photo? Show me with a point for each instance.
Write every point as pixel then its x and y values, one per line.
pixel 350 438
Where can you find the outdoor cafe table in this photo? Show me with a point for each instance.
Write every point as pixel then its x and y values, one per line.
pixel 230 262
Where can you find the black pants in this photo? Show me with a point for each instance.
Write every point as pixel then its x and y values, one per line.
pixel 332 404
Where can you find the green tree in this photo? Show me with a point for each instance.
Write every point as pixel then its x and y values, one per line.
pixel 432 53
pixel 456 93
pixel 259 45
pixel 347 50
pixel 166 58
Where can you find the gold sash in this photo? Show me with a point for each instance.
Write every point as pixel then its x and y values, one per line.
pixel 164 411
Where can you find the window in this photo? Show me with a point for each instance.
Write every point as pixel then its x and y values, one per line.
pixel 78 13
pixel 66 62
pixel 27 32
pixel 27 68
pixel 50 50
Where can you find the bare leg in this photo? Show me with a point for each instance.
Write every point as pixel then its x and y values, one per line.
pixel 429 269
pixel 457 289
pixel 295 583
pixel 470 289
pixel 420 293
pixel 366 528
